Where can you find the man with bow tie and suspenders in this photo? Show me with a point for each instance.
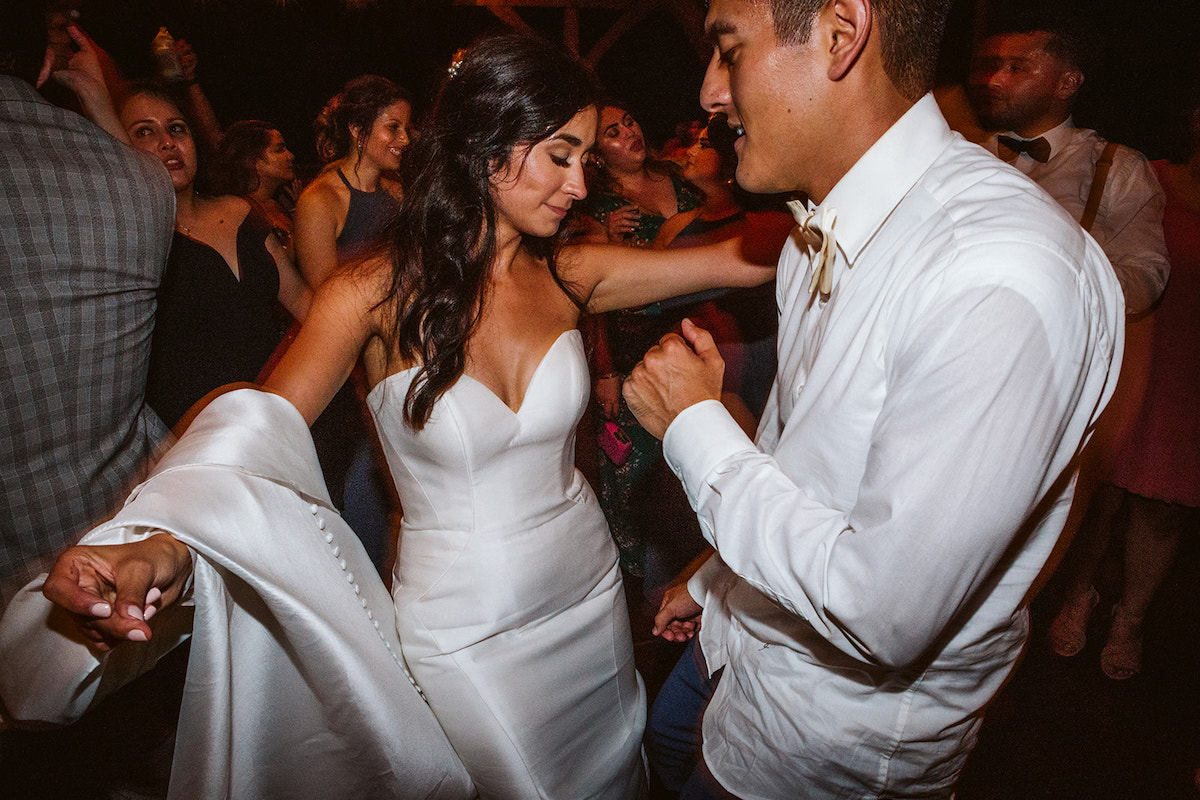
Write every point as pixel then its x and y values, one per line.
pixel 1025 79
pixel 1026 76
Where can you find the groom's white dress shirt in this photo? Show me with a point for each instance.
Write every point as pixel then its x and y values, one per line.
pixel 1128 223
pixel 910 476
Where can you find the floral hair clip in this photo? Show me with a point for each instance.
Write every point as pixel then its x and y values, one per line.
pixel 455 63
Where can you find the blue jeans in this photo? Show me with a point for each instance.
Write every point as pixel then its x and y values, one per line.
pixel 367 504
pixel 673 732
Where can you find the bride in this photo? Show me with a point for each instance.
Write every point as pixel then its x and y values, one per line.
pixel 508 599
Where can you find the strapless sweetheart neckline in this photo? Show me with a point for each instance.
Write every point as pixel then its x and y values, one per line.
pixel 532 378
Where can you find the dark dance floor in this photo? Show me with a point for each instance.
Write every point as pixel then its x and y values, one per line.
pixel 1061 730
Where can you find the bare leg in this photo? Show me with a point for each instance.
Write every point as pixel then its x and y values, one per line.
pixel 1068 632
pixel 1151 542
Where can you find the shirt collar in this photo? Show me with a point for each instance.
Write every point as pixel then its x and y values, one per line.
pixel 880 179
pixel 1060 135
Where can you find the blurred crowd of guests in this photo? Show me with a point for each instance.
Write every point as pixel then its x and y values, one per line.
pixel 119 318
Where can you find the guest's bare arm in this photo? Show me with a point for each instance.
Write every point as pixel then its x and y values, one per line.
pixel 85 77
pixel 339 324
pixel 613 276
pixel 294 292
pixel 315 232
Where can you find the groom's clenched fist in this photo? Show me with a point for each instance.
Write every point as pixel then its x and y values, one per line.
pixel 676 373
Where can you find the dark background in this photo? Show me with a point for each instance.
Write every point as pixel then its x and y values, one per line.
pixel 280 60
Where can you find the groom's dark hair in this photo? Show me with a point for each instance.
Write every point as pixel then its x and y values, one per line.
pixel 910 34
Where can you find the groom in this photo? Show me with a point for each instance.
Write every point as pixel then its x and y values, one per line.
pixel 945 342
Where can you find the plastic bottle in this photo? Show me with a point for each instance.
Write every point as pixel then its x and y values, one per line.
pixel 163 48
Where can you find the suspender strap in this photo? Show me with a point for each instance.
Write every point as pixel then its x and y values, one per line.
pixel 1098 180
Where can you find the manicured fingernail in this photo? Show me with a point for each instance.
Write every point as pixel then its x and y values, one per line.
pixel 150 612
pixel 137 635
pixel 135 612
pixel 153 595
pixel 100 610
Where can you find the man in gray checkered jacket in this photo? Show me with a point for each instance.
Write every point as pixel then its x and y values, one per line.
pixel 85 225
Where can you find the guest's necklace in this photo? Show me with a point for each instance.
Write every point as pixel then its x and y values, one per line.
pixel 186 230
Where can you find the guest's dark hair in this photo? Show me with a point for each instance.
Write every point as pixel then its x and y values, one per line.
pixel 910 34
pixel 503 92
pixel 23 37
pixel 234 169
pixel 355 107
pixel 1183 130
pixel 155 89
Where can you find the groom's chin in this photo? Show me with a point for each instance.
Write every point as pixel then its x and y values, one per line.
pixel 757 181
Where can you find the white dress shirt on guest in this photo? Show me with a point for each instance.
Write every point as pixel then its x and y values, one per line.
pixel 911 474
pixel 1128 222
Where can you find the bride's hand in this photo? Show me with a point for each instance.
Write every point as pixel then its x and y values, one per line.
pixel 113 590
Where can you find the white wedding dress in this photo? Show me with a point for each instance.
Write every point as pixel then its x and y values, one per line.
pixel 507 600
pixel 509 604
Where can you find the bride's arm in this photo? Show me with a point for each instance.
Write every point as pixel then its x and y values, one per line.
pixel 613 276
pixel 340 321
pixel 112 590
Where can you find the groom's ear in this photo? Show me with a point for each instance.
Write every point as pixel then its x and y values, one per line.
pixel 846 27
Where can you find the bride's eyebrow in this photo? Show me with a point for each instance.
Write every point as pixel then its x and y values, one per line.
pixel 568 138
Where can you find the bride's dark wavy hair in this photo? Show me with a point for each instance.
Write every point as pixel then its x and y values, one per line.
pixel 503 92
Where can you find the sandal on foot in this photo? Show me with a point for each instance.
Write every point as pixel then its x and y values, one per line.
pixel 1068 632
pixel 1121 657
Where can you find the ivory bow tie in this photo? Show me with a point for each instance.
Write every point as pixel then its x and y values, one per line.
pixel 822 246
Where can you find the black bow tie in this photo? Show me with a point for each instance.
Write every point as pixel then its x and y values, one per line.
pixel 1038 149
